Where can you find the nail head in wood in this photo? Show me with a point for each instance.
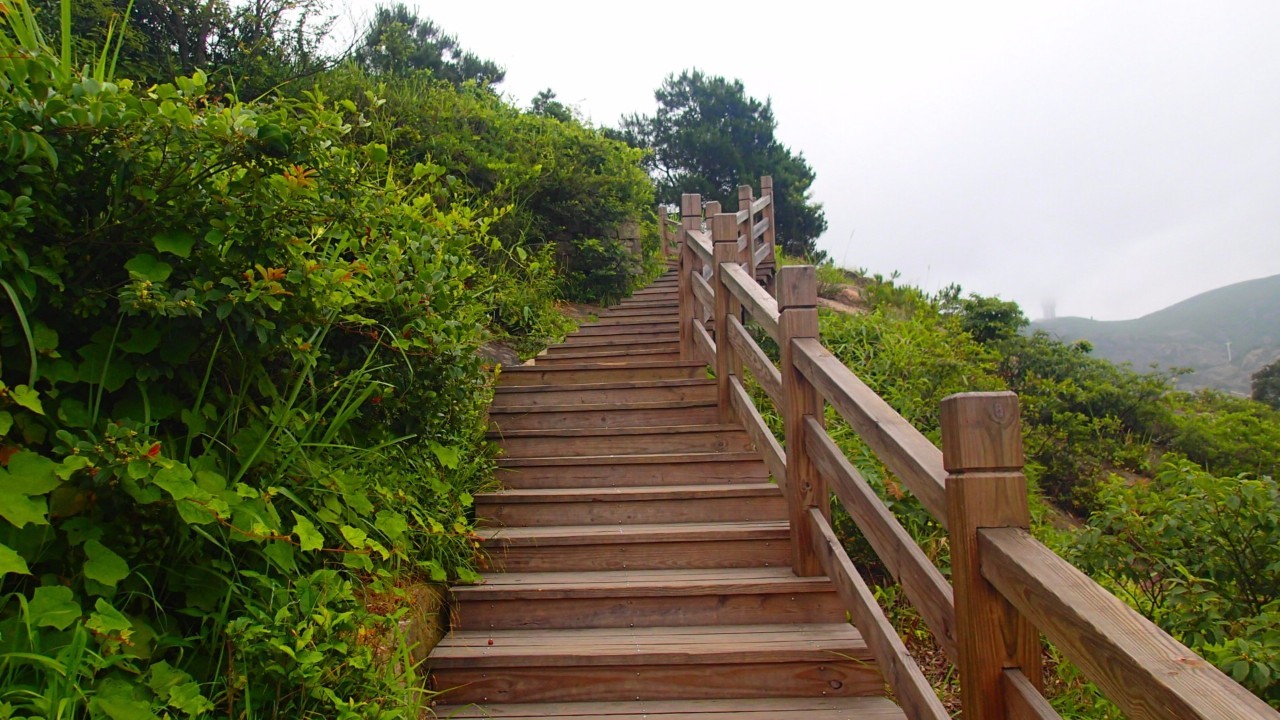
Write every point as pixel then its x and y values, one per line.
pixel 981 431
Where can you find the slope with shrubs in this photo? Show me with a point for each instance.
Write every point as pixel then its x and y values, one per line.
pixel 241 404
pixel 1167 498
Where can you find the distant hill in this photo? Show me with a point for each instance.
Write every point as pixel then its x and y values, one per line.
pixel 1192 334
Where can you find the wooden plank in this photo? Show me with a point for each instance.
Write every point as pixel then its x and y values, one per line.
pixel 530 396
pixel 901 447
pixel 578 442
pixel 825 708
pixel 643 319
pixel 705 296
pixel 640 338
pixel 761 203
pixel 909 684
pixel 702 342
pixel 1139 667
pixel 707 552
pixel 759 229
pixel 587 373
pixel 761 367
pixel 1023 701
pixel 636 470
pixel 924 584
pixel 603 507
pixel 774 458
pixel 609 358
pixel 700 242
pixel 605 415
pixel 622 330
pixel 570 535
pixel 760 306
pixel 763 253
pixel 726 365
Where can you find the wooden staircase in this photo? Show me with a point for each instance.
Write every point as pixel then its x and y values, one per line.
pixel 644 552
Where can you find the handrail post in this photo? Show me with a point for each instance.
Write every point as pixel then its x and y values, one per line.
pixel 724 234
pixel 690 219
pixel 982 453
pixel 665 238
pixel 798 319
pixel 766 190
pixel 712 210
pixel 745 199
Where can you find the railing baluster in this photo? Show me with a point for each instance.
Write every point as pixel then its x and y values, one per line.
pixel 724 233
pixel 766 189
pixel 798 318
pixel 744 203
pixel 982 453
pixel 662 228
pixel 690 219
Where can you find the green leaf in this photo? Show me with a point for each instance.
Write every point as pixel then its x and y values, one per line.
pixel 12 562
pixel 391 523
pixel 19 509
pixel 104 565
pixel 446 454
pixel 308 536
pixel 355 536
pixel 282 554
pixel 176 480
pixel 107 620
pixel 53 606
pixel 116 700
pixel 177 242
pixel 27 398
pixel 141 341
pixel 149 268
pixel 31 474
pixel 6 422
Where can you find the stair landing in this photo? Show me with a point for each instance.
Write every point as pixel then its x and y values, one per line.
pixel 642 553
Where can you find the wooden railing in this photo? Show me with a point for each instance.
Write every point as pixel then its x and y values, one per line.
pixel 1006 588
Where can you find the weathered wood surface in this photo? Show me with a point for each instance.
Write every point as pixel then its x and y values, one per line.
pixel 1023 701
pixel 797 321
pixel 760 306
pixel 900 446
pixel 704 346
pixel 761 367
pixel 612 506
pixel 924 584
pixel 909 684
pixel 855 708
pixel 761 437
pixel 1140 667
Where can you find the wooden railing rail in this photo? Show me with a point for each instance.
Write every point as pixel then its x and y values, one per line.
pixel 1005 589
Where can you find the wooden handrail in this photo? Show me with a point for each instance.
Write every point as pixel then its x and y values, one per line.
pixel 759 305
pixel 926 587
pixel 1005 586
pixel 902 448
pixel 1140 667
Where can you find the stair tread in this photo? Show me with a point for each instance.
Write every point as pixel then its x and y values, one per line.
pixel 597 407
pixel 642 583
pixel 602 432
pixel 826 708
pixel 547 535
pixel 622 494
pixel 631 459
pixel 646 365
pixel 685 645
pixel 603 386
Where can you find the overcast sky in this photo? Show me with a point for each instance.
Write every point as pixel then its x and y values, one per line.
pixel 1113 157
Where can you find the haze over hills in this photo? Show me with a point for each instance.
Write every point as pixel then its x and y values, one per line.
pixel 1223 335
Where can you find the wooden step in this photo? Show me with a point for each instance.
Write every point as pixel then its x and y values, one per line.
pixel 595 393
pixel 611 506
pixel 605 415
pixel 626 328
pixel 626 320
pixel 637 337
pixel 579 442
pixel 612 344
pixel 638 547
pixel 823 708
pixel 610 357
pixel 646 304
pixel 627 311
pixel 624 598
pixel 588 373
pixel 632 470
pixel 664 663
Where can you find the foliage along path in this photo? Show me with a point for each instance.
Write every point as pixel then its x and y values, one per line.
pixel 645 552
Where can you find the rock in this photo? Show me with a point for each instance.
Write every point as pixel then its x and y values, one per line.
pixel 499 353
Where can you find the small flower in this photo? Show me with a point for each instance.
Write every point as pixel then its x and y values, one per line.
pixel 154 451
pixel 299 177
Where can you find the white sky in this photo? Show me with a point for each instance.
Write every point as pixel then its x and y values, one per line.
pixel 1115 157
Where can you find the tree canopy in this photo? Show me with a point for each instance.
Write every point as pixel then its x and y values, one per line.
pixel 709 136
pixel 1266 385
pixel 400 42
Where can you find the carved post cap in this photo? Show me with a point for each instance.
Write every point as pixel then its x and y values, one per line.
pixel 981 431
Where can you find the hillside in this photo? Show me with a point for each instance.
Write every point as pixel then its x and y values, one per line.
pixel 1192 334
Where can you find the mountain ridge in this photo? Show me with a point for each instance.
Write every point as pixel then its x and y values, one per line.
pixel 1222 335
